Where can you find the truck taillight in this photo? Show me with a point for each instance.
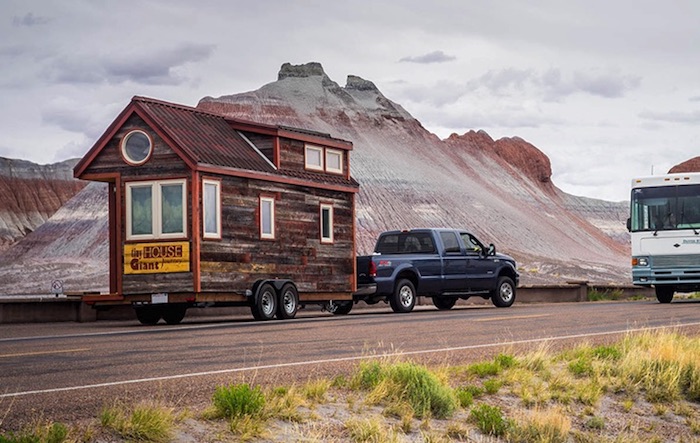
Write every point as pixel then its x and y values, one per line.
pixel 372 268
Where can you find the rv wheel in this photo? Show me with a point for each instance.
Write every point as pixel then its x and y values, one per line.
pixel 148 315
pixel 174 314
pixel 664 294
pixel 288 302
pixel 265 305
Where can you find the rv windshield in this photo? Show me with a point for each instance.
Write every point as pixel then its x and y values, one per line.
pixel 665 208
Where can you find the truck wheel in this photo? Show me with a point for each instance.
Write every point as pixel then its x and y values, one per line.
pixel 174 314
pixel 148 315
pixel 444 303
pixel 338 307
pixel 664 294
pixel 288 302
pixel 504 295
pixel 404 297
pixel 265 304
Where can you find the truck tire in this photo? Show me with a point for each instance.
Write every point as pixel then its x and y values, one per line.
pixel 265 304
pixel 404 297
pixel 504 294
pixel 148 314
pixel 288 303
pixel 174 314
pixel 338 307
pixel 444 303
pixel 664 294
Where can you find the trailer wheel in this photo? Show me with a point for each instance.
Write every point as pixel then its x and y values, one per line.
pixel 664 294
pixel 504 294
pixel 338 307
pixel 265 304
pixel 444 303
pixel 174 314
pixel 404 297
pixel 288 302
pixel 148 315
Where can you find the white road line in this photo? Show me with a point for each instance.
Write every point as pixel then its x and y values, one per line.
pixel 337 360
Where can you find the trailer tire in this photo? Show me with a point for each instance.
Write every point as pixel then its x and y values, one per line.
pixel 444 303
pixel 265 305
pixel 288 302
pixel 339 307
pixel 148 315
pixel 664 294
pixel 504 294
pixel 174 314
pixel 404 297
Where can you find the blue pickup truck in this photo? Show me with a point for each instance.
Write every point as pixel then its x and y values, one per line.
pixel 443 264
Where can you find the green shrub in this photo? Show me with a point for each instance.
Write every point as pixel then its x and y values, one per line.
pixel 492 386
pixel 484 369
pixel 489 420
pixel 368 376
pixel 581 367
pixel 238 400
pixel 142 423
pixel 607 353
pixel 51 433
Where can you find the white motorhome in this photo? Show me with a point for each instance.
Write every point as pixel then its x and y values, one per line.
pixel 664 225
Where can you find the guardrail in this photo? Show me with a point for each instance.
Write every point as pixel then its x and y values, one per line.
pixel 51 308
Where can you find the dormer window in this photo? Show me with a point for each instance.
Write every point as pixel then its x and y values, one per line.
pixel 318 158
pixel 334 161
pixel 314 157
pixel 136 147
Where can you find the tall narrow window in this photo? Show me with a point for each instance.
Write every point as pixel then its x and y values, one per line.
pixel 326 223
pixel 155 210
pixel 212 208
pixel 267 217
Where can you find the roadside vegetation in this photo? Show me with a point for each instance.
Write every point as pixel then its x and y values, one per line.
pixel 644 388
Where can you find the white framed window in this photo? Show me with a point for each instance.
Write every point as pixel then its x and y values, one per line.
pixel 136 147
pixel 267 217
pixel 334 161
pixel 313 157
pixel 211 208
pixel 326 223
pixel 156 209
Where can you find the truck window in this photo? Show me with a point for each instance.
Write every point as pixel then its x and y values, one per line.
pixel 406 243
pixel 449 239
pixel 471 243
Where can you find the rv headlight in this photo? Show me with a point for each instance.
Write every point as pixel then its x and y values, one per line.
pixel 640 261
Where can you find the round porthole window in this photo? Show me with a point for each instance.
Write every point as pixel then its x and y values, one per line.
pixel 136 147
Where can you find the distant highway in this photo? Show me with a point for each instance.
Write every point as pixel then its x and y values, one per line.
pixel 65 371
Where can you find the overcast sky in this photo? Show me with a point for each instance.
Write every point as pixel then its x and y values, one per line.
pixel 608 90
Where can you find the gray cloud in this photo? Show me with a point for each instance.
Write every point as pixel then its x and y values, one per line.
pixel 29 20
pixel 157 67
pixel 692 117
pixel 432 57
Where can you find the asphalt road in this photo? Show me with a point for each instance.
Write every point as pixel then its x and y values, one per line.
pixel 68 371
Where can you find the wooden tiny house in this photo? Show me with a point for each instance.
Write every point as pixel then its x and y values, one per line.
pixel 209 209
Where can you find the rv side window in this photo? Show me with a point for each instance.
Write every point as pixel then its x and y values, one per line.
pixel 326 223
pixel 211 202
pixel 267 217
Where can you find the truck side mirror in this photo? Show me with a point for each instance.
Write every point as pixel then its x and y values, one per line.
pixel 629 224
pixel 491 250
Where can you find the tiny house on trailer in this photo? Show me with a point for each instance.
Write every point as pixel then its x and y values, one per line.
pixel 206 210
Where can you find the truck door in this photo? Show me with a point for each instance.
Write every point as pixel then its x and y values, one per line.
pixel 454 267
pixel 481 270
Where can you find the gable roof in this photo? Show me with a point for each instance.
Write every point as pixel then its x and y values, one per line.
pixel 211 142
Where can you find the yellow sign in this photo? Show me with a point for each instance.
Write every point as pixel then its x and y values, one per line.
pixel 156 258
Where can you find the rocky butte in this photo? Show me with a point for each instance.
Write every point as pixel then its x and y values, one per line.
pixel 499 189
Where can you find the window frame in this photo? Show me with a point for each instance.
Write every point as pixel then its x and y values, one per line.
pixel 321 156
pixel 329 208
pixel 125 156
pixel 217 207
pixel 266 235
pixel 339 153
pixel 156 209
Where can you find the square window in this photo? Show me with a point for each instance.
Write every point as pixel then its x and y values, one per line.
pixel 155 210
pixel 313 157
pixel 334 161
